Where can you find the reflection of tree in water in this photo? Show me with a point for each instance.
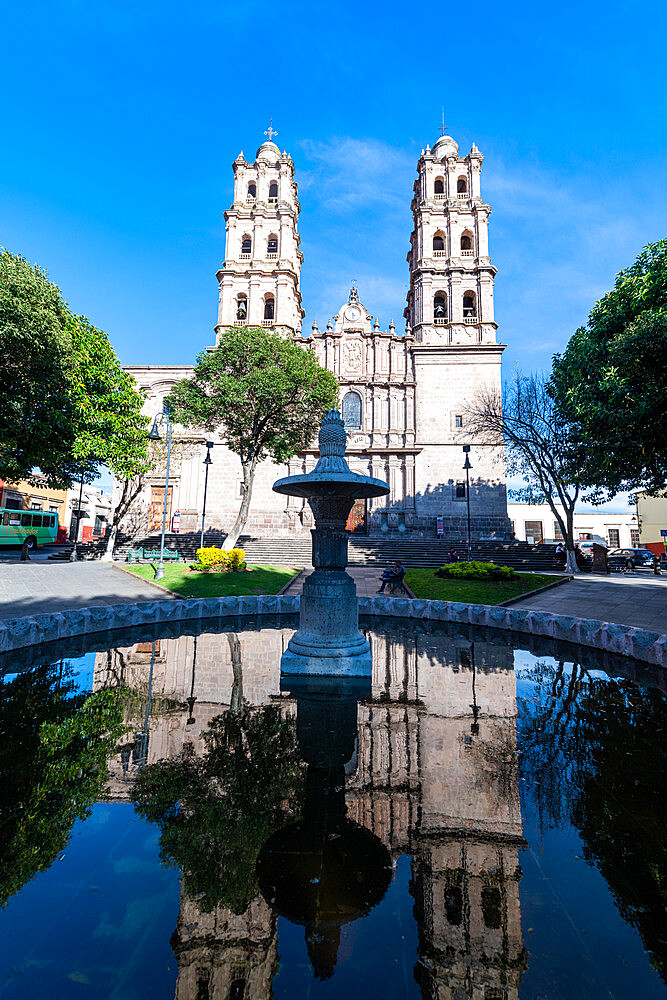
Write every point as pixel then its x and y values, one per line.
pixel 215 811
pixel 54 748
pixel 592 753
pixel 496 762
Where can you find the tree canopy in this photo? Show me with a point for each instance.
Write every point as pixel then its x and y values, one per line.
pixel 612 380
pixel 66 404
pixel 265 393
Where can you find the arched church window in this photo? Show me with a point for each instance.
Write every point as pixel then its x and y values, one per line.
pixel 351 409
pixel 439 185
pixel 440 307
pixel 246 245
pixel 491 906
pixel 469 308
pixel 252 190
pixel 272 245
pixel 269 307
pixel 466 241
pixel 273 190
pixel 461 185
pixel 438 242
pixel 241 307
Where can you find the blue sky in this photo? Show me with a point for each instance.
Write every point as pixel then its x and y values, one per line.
pixel 120 123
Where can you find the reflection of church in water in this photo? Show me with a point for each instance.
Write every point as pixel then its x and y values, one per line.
pixel 433 775
pixel 403 394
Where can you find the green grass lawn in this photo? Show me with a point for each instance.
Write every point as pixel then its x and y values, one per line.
pixel 424 583
pixel 182 580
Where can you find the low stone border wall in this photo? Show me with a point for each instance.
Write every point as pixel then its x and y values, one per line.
pixel 651 647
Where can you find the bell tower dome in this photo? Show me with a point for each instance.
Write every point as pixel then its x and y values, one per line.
pixel 259 279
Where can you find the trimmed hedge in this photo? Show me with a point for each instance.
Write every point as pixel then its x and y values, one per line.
pixel 476 571
pixel 219 560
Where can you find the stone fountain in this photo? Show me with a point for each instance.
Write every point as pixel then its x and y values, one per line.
pixel 328 641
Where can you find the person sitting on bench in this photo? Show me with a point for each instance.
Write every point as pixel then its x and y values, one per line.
pixel 393 577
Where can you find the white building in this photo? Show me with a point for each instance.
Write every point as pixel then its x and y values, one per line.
pixel 536 523
pixel 403 397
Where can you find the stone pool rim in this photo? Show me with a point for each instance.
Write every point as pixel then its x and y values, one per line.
pixel 624 640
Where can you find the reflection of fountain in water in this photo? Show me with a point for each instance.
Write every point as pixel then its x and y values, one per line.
pixel 329 640
pixel 325 870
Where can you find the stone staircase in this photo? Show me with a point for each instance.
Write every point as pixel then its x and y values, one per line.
pixel 296 550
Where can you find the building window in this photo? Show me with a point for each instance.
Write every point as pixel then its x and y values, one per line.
pixel 458 420
pixel 461 186
pixel 491 906
pixel 351 409
pixel 533 532
pixel 613 538
pixel 558 534
pixel 440 307
pixel 35 505
pixel 272 245
pixel 252 191
pixel 460 491
pixel 438 242
pixel 466 241
pixel 273 191
pixel 241 308
pixel 269 307
pixel 99 526
pixel 53 509
pixel 439 187
pixel 246 245
pixel 469 308
pixel 453 904
pixel 634 538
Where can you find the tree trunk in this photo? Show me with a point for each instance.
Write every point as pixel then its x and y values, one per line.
pixel 570 555
pixel 248 479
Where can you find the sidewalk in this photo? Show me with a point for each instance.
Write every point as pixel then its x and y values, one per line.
pixel 33 588
pixel 635 599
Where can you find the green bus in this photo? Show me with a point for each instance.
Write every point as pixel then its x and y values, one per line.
pixel 33 526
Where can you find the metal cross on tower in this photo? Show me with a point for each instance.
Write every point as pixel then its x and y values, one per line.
pixel 443 127
pixel 271 131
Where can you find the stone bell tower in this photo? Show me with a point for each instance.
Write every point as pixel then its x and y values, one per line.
pixel 455 352
pixel 259 279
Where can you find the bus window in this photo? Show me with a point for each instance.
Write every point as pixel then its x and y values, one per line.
pixel 37 520
pixel 14 520
pixel 5 518
pixel 26 520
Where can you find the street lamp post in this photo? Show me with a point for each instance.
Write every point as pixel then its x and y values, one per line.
pixel 73 555
pixel 154 435
pixel 467 466
pixel 207 462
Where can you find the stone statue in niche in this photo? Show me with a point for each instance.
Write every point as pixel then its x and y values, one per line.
pixel 352 356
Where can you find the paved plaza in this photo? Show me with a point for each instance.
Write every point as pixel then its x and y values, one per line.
pixel 638 599
pixel 33 588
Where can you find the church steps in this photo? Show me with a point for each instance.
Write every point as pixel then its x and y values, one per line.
pixel 296 551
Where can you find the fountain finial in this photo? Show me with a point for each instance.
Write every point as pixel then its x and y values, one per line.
pixel 332 437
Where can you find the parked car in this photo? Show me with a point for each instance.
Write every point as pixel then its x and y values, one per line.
pixel 628 559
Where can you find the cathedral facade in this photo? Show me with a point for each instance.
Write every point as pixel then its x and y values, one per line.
pixel 403 396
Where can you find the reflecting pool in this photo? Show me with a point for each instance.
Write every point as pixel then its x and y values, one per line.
pixel 483 819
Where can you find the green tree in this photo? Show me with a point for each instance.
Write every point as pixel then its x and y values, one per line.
pixel 216 811
pixel 265 393
pixel 66 404
pixel 54 747
pixel 611 380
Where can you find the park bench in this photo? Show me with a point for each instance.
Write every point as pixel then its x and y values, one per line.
pixel 151 555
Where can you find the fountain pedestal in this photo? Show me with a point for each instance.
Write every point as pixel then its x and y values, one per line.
pixel 328 640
